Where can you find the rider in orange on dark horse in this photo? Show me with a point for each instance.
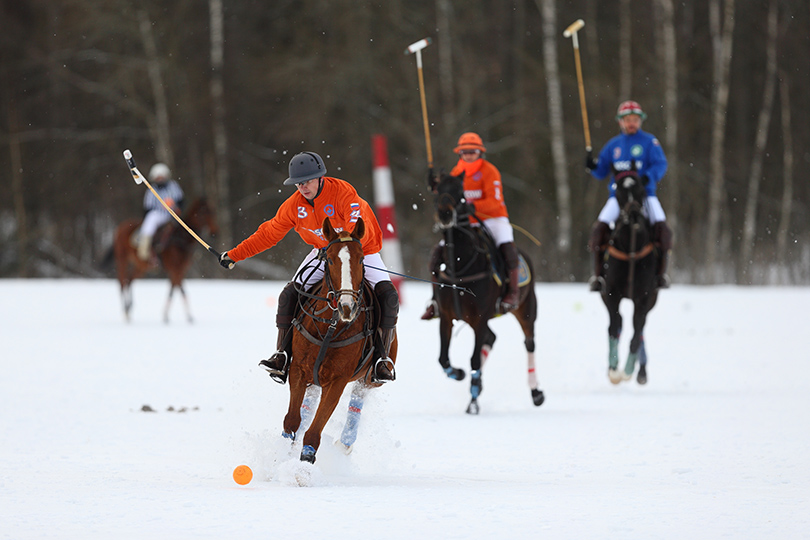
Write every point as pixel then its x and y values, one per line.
pixel 484 194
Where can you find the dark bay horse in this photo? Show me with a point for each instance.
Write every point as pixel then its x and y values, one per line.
pixel 174 249
pixel 468 252
pixel 630 273
pixel 333 343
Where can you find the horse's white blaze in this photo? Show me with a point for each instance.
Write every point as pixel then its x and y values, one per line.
pixel 345 276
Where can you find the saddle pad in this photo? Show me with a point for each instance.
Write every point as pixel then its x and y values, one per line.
pixel 524 274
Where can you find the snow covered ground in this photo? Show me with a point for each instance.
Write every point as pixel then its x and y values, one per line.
pixel 717 444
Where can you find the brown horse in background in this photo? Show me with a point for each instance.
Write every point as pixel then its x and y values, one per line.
pixel 174 249
pixel 333 343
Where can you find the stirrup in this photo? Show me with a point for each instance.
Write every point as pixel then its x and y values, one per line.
pixel 391 371
pixel 431 311
pixel 271 366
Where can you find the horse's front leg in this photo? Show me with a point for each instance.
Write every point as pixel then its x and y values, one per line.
pixel 640 311
pixel 614 331
pixel 484 339
pixel 292 421
pixel 349 434
pixel 445 332
pixel 330 395
pixel 168 304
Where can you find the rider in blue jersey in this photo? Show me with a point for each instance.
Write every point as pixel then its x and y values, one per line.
pixel 633 147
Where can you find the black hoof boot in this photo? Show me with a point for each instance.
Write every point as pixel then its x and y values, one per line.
pixel 456 374
pixel 538 397
pixel 641 378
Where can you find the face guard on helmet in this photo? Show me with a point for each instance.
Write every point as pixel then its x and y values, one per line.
pixel 630 107
pixel 304 167
pixel 470 141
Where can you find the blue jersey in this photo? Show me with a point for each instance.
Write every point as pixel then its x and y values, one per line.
pixel 643 148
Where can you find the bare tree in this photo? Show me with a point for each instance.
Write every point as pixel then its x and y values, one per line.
pixel 667 52
pixel 721 44
pixel 552 70
pixel 444 14
pixel 160 126
pixel 220 133
pixel 625 56
pixel 763 126
pixel 787 173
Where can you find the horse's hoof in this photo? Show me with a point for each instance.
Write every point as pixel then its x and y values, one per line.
pixel 308 454
pixel 615 375
pixel 473 407
pixel 455 373
pixel 343 447
pixel 641 378
pixel 538 397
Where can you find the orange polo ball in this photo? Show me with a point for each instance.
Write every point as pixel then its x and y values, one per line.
pixel 242 475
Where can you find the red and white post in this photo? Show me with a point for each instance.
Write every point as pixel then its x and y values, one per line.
pixel 384 202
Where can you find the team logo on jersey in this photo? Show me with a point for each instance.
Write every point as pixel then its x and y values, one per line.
pixel 617 152
pixel 329 210
pixel 302 212
pixel 636 150
pixel 355 215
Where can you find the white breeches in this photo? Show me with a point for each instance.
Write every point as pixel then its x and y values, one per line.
pixel 501 230
pixel 652 209
pixel 153 220
pixel 312 274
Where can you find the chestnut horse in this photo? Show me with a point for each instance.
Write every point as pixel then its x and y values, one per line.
pixel 630 273
pixel 467 254
pixel 333 343
pixel 175 246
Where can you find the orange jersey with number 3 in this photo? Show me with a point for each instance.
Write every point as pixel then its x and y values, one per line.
pixel 338 201
pixel 482 187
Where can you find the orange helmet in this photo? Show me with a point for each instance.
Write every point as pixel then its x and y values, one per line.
pixel 469 141
pixel 630 107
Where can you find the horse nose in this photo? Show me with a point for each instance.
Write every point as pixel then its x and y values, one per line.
pixel 347 309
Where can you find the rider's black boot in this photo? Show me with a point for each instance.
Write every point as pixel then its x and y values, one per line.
pixel 278 365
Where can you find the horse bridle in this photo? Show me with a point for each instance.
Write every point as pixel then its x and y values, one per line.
pixel 333 294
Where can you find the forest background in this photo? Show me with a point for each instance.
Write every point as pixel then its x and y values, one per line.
pixel 225 92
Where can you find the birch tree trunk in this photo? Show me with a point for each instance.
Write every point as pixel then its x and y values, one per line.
pixel 160 127
pixel 220 134
pixel 444 14
pixel 625 56
pixel 17 186
pixel 763 125
pixel 552 70
pixel 787 159
pixel 721 43
pixel 668 54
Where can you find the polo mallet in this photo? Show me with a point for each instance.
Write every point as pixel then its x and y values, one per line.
pixel 139 178
pixel 417 48
pixel 571 32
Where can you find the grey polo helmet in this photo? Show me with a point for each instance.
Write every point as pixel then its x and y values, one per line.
pixel 305 166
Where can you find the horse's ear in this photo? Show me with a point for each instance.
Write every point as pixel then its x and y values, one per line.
pixel 328 232
pixel 359 229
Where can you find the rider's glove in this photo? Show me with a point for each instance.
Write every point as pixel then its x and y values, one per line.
pixel 225 261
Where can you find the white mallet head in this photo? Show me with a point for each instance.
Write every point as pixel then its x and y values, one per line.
pixel 418 46
pixel 572 30
pixel 136 174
